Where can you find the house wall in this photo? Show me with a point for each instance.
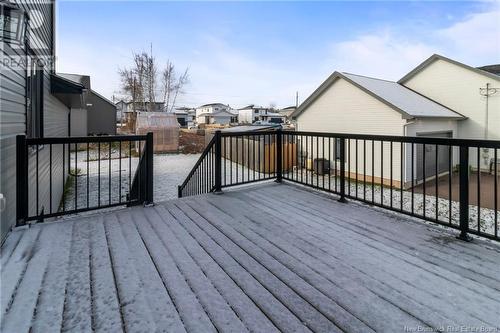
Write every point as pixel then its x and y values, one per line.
pixel 458 88
pixel 13 122
pixel 246 116
pixel 101 117
pixel 344 108
pixel 78 122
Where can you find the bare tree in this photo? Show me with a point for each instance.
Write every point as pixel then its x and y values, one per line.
pixel 141 84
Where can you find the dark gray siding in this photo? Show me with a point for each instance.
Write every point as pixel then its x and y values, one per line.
pixel 101 116
pixel 13 122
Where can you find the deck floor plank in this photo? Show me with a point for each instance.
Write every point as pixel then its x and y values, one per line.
pixel 281 316
pixel 384 264
pixel 439 255
pixel 49 311
pixel 263 258
pixel 309 314
pixel 105 302
pixel 192 313
pixel 162 308
pixel 251 315
pixel 219 311
pixel 357 299
pixel 428 275
pixel 77 315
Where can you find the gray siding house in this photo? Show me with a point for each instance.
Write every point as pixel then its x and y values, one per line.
pixel 97 116
pixel 33 101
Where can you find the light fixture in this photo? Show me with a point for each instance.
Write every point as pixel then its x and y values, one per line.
pixel 12 26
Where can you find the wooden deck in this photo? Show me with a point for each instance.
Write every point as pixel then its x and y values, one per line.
pixel 267 258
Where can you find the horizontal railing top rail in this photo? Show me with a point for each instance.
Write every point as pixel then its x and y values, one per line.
pixel 449 181
pixel 85 139
pixel 405 139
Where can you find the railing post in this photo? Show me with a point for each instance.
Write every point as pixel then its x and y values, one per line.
pixel 149 169
pixel 279 155
pixel 218 162
pixel 464 193
pixel 21 180
pixel 342 170
pixel 179 191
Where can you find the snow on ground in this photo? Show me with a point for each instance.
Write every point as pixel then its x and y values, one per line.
pixel 170 170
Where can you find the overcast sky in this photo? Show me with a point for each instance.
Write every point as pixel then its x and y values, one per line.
pixel 263 52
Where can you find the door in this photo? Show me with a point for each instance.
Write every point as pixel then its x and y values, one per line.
pixel 430 157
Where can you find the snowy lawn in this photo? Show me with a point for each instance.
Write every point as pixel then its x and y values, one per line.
pixel 170 170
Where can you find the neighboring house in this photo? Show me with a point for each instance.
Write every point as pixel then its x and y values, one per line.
pixel 348 103
pixel 215 113
pixel 217 118
pixel 251 113
pixel 287 112
pixel 273 118
pixel 98 114
pixel 186 117
pixel 472 92
pixel 36 102
pixel 121 108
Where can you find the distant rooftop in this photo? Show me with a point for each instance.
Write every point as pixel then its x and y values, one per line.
pixel 494 69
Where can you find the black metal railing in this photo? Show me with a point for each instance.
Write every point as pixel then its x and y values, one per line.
pixel 66 175
pixel 452 182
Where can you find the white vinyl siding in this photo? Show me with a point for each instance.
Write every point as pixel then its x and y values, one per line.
pixel 458 88
pixel 344 108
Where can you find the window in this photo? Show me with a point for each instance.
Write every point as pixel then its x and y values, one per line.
pixel 34 99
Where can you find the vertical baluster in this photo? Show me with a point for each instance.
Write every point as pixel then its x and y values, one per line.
pixel 99 174
pixel 424 179
pixel 373 171
pixel 76 176
pixel 356 168
pixel 364 169
pixel 109 173
pixel 120 171
pixel 382 172
pixel 412 178
pixel 88 174
pixel 450 177
pixel 37 181
pixel 391 162
pixel 50 178
pixel 130 170
pixel 348 177
pixel 64 177
pixel 437 184
pixel 401 175
pixel 478 190
pixel 495 188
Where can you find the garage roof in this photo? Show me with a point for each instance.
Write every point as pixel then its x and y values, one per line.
pixel 400 98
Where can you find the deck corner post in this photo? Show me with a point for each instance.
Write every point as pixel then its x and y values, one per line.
pixel 218 163
pixel 279 155
pixel 21 180
pixel 342 170
pixel 149 169
pixel 464 193
pixel 179 191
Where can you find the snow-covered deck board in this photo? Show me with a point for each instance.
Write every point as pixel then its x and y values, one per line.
pixel 264 258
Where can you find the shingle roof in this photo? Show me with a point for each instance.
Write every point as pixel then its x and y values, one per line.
pixel 404 99
pixel 400 98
